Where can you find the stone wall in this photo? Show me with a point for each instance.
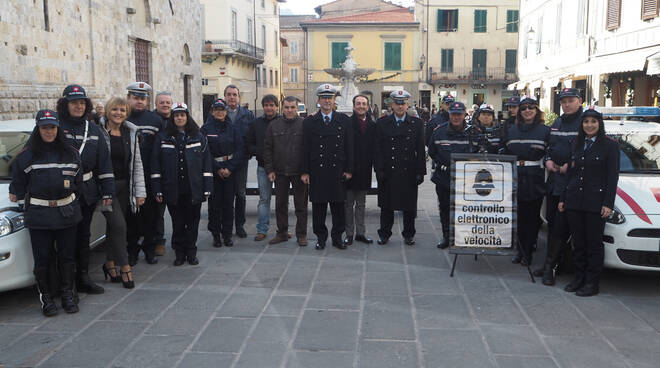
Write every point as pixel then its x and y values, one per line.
pixel 92 43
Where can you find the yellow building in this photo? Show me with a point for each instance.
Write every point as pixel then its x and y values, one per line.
pixel 386 41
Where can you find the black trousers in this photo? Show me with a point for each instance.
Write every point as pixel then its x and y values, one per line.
pixel 82 230
pixel 528 224
pixel 588 253
pixel 443 204
pixel 319 211
pixel 46 242
pixel 144 225
pixel 387 221
pixel 159 236
pixel 557 221
pixel 221 207
pixel 185 226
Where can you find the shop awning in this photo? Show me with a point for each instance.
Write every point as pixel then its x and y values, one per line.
pixel 654 64
pixel 622 62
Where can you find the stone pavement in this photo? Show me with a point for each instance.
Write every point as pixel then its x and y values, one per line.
pixel 261 306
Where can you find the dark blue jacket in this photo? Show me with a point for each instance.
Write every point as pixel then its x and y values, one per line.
pixel 95 159
pixel 528 142
pixel 562 136
pixel 441 118
pixel 224 140
pixel 445 141
pixel 592 177
pixel 49 177
pixel 165 166
pixel 242 122
pixel 149 126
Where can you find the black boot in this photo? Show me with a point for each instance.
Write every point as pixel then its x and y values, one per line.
pixel 48 307
pixel 84 283
pixel 69 297
pixel 551 259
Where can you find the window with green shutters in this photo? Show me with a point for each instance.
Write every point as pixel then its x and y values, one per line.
pixel 512 21
pixel 447 65
pixel 511 57
pixel 338 53
pixel 447 20
pixel 480 21
pixel 392 56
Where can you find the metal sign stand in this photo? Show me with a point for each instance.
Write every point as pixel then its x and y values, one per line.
pixel 490 159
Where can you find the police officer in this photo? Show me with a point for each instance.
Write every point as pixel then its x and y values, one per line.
pixel 485 121
pixel 327 165
pixel 241 118
pixel 528 140
pixel 588 199
pixel 149 125
pixel 400 165
pixel 226 146
pixel 562 137
pixel 512 108
pixel 451 137
pixel 73 110
pixel 164 110
pixel 181 177
pixel 441 118
pixel 45 177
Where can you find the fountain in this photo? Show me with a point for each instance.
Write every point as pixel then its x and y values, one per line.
pixel 348 74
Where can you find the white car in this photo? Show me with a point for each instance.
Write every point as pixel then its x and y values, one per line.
pixel 16 262
pixel 632 233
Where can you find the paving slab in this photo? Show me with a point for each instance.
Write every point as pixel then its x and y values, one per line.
pixel 142 305
pixel 31 349
pixel 388 317
pixel 525 362
pixel 640 347
pixel 454 349
pixel 327 330
pixel 207 360
pixel 223 335
pixel 388 354
pixel 153 351
pixel 581 351
pixel 442 311
pixel 320 359
pixel 513 340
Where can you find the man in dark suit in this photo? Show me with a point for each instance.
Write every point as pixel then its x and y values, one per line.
pixel 364 130
pixel 327 165
pixel 400 165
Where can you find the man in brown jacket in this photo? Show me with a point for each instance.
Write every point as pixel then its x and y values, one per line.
pixel 283 146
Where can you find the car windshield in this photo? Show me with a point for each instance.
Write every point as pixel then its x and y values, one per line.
pixel 640 152
pixel 11 143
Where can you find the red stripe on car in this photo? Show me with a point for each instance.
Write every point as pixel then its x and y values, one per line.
pixel 633 205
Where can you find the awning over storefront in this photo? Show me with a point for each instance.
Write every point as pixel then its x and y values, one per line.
pixel 654 64
pixel 551 82
pixel 535 84
pixel 622 62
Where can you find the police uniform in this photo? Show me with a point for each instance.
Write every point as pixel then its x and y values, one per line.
pixel 181 175
pixel 592 184
pixel 445 141
pixel 493 139
pixel 400 165
pixel 98 178
pixel 327 155
pixel 563 132
pixel 511 120
pixel 227 150
pixel 441 118
pixel 149 126
pixel 46 185
pixel 528 142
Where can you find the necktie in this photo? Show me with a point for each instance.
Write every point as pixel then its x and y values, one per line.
pixel 326 120
pixel 587 143
pixel 398 123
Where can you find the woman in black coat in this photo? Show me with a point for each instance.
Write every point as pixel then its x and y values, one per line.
pixel 46 177
pixel 589 198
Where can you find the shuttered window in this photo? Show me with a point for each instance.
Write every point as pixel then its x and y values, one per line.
pixel 511 56
pixel 613 14
pixel 447 20
pixel 512 21
pixel 447 65
pixel 649 9
pixel 392 56
pixel 338 53
pixel 480 21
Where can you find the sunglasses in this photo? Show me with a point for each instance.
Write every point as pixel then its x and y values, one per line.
pixel 527 107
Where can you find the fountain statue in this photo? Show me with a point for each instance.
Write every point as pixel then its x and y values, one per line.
pixel 348 74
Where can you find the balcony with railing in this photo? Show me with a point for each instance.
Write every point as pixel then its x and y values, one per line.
pixel 473 75
pixel 213 49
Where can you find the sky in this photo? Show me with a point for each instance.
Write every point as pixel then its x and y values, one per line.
pixel 307 6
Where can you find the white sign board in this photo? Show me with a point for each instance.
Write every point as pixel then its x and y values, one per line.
pixel 483 202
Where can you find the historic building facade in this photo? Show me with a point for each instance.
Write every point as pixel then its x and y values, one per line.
pixel 469 49
pixel 100 45
pixel 293 60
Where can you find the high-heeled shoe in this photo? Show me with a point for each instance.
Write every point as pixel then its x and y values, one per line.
pixel 128 284
pixel 106 273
